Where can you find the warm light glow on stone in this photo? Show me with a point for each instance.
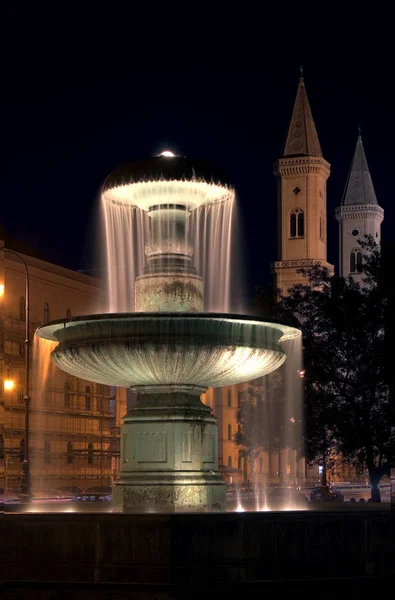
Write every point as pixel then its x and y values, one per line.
pixel 1 290
pixel 8 384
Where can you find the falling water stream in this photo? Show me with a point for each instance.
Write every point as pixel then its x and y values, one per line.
pixel 213 236
pixel 43 370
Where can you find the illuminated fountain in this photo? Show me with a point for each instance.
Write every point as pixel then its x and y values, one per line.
pixel 168 351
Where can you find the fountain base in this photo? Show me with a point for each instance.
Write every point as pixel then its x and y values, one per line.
pixel 169 453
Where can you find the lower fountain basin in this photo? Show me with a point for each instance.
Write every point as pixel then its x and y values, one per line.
pixel 149 349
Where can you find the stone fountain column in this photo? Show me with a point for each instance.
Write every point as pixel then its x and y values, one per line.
pixel 169 441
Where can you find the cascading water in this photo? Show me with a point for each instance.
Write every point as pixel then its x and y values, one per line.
pixel 215 231
pixel 43 371
pixel 272 430
pixel 212 234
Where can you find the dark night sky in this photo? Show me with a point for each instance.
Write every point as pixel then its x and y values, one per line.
pixel 85 92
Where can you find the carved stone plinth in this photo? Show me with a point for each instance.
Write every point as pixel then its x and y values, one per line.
pixel 169 453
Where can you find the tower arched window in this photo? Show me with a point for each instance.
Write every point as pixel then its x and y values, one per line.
pixel 322 229
pixel 229 461
pixel 292 225
pixel 22 308
pixel 296 223
pixel 67 395
pixel 90 453
pixel 70 457
pixel 46 312
pixel 359 262
pixel 229 398
pixel 355 261
pixel 300 227
pixel 47 452
pixel 88 398
pixel 352 262
pixel 229 432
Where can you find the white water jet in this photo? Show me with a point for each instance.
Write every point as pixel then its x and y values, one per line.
pixel 212 238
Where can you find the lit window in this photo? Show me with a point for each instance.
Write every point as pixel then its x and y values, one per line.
pixel 46 312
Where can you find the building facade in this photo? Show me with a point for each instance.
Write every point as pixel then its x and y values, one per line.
pixel 74 424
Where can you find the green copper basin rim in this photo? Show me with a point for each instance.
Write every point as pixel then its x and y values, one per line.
pixel 150 349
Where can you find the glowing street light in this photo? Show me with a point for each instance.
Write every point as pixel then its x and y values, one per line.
pixel 8 384
pixel 167 153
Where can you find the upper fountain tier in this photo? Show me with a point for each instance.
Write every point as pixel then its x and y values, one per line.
pixel 167 180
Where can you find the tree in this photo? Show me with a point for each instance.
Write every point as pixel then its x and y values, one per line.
pixel 346 405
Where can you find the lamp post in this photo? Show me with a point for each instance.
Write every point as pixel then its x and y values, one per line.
pixel 25 482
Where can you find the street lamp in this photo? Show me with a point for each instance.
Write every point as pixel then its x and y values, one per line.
pixel 25 483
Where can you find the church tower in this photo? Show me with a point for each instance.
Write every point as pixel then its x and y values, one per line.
pixel 301 175
pixel 359 214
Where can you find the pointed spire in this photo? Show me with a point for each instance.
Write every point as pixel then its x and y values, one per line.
pixel 302 138
pixel 359 186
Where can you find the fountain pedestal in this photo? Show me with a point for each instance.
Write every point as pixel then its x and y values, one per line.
pixel 169 453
